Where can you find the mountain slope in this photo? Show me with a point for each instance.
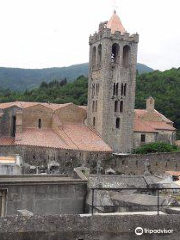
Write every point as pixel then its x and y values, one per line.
pixel 21 79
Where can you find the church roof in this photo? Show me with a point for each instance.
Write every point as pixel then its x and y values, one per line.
pixel 115 24
pixel 70 135
pixel 151 122
pixel 24 105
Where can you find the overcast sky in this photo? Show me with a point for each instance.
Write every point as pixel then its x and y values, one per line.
pixel 54 33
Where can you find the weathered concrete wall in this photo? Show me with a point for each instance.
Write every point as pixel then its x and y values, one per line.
pixel 75 227
pixel 46 198
pixel 43 194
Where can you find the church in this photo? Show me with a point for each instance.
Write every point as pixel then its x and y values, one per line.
pixel 47 131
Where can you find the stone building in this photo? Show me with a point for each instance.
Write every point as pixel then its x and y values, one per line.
pixel 152 126
pixel 112 80
pixel 74 135
pixel 42 194
pixel 43 132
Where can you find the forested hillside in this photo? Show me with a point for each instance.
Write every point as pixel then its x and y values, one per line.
pixel 163 86
pixel 18 79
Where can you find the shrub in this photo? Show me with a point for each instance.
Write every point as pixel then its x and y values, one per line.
pixel 155 148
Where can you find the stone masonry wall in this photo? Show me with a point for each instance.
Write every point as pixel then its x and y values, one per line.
pixel 76 227
pixel 106 74
pixel 135 164
pixel 67 159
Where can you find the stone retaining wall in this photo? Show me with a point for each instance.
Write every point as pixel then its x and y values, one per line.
pixel 75 227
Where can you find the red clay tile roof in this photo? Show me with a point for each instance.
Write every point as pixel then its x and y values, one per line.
pixel 143 125
pixel 40 137
pixel 83 107
pixel 24 105
pixel 162 126
pixel 72 137
pixel 143 112
pixel 115 24
pixel 84 138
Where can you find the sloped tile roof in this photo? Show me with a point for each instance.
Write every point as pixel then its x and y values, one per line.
pixel 71 137
pixel 84 138
pixel 40 137
pixel 142 124
pixel 24 105
pixel 115 24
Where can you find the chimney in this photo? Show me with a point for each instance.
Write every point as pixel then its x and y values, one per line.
pixel 150 104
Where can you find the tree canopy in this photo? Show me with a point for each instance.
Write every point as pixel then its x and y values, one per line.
pixel 164 87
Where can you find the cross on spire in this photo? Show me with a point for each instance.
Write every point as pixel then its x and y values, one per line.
pixel 114 6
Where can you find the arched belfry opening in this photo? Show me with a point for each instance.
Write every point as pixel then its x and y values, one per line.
pixel 99 55
pixel 13 132
pixel 94 57
pixel 115 53
pixel 126 56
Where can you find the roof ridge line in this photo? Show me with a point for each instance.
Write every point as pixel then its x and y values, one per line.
pixel 70 139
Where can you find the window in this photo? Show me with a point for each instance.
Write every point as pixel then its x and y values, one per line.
pixel 96 106
pixel 94 121
pixel 126 55
pixel 93 106
pixel 115 53
pixel 117 88
pixel 114 89
pixel 143 138
pixel 13 126
pixel 99 55
pixel 116 106
pixel 94 57
pixel 124 90
pixel 39 123
pixel 93 90
pixel 117 123
pixel 121 106
pixel 97 89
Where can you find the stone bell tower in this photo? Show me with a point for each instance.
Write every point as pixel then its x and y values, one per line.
pixel 112 80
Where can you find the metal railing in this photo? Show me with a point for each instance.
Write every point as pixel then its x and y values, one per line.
pixel 157 190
